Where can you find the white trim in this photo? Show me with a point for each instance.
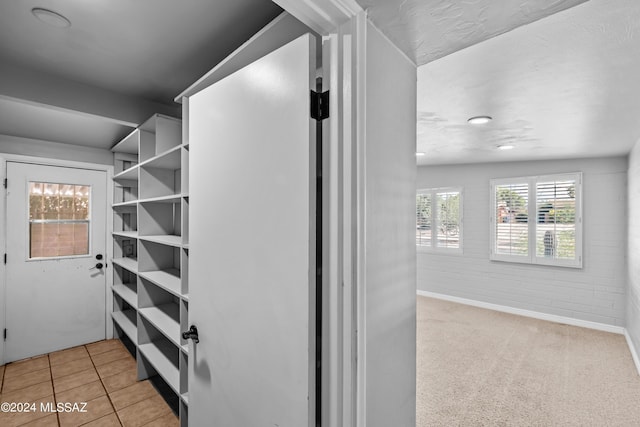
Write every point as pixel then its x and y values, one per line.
pixel 322 16
pixel 527 313
pixel 632 349
pixel 360 255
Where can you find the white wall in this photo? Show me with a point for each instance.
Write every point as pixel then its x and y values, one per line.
pixel 54 150
pixel 594 293
pixel 633 280
pixel 390 271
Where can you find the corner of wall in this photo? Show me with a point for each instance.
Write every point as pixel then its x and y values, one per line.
pixel 632 315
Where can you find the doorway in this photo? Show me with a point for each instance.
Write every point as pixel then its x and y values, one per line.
pixel 55 258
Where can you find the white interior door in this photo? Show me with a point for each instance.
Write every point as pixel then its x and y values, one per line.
pixel 55 294
pixel 252 260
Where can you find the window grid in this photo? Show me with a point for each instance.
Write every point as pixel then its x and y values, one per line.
pixel 537 220
pixel 439 219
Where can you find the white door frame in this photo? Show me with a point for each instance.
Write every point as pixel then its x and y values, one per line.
pixel 342 23
pixel 108 169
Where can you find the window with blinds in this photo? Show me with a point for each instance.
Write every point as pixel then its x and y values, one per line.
pixel 439 219
pixel 537 220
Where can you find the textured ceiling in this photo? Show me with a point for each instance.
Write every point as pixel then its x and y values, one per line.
pixel 426 30
pixel 565 86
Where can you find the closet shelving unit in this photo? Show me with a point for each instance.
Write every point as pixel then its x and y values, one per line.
pixel 151 254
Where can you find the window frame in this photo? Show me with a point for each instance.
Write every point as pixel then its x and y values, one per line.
pixel 30 222
pixel 433 248
pixel 532 257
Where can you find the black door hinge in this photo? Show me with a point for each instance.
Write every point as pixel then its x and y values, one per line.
pixel 5 183
pixel 5 334
pixel 5 258
pixel 319 105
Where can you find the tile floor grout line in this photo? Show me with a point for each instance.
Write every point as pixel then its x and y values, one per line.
pixel 104 386
pixel 55 398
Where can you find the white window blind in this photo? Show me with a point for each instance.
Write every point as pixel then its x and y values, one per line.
pixel 439 219
pixel 512 218
pixel 537 220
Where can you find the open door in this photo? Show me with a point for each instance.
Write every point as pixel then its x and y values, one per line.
pixel 252 246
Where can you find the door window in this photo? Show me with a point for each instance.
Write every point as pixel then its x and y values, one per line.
pixel 59 217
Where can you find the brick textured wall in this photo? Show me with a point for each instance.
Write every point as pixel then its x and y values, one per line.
pixel 595 293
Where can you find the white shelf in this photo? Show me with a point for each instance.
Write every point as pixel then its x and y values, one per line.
pixel 173 198
pixel 130 264
pixel 167 239
pixel 163 317
pixel 130 174
pixel 170 159
pixel 185 398
pixel 185 349
pixel 125 204
pixel 126 234
pixel 168 280
pixel 125 323
pixel 127 294
pixel 129 144
pixel 155 354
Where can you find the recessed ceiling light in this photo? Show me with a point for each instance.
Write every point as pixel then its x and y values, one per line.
pixel 50 17
pixel 479 120
pixel 419 154
pixel 505 147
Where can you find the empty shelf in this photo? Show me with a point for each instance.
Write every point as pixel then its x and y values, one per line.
pixel 127 294
pixel 130 264
pixel 165 239
pixel 124 320
pixel 172 198
pixel 130 174
pixel 126 234
pixel 163 317
pixel 125 204
pixel 155 354
pixel 167 279
pixel 170 159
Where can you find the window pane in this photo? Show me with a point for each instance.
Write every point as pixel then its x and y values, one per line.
pixel 448 217
pixel 556 219
pixel 512 234
pixel 423 220
pixel 58 219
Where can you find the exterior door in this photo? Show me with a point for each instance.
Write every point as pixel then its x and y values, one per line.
pixel 251 259
pixel 55 292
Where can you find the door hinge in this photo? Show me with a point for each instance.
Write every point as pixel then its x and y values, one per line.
pixel 5 183
pixel 5 258
pixel 319 105
pixel 5 334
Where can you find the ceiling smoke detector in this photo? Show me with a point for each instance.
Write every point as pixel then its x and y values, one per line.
pixel 50 17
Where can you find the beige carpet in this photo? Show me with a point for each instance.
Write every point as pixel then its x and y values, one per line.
pixel 479 367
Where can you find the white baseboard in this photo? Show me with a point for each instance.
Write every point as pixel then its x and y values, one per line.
pixel 632 349
pixel 528 313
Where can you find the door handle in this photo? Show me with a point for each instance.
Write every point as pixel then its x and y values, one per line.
pixel 98 266
pixel 192 333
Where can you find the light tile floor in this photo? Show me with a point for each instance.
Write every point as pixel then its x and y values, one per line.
pixel 102 374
